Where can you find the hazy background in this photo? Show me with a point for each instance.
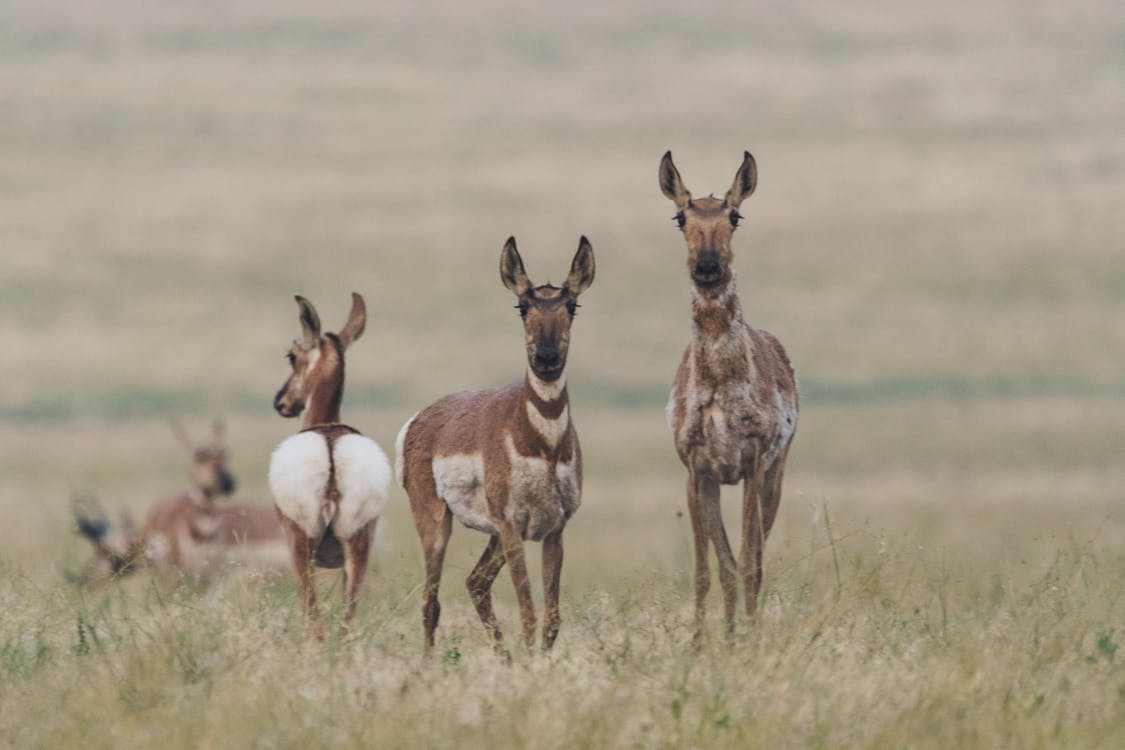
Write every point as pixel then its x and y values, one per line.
pixel 936 238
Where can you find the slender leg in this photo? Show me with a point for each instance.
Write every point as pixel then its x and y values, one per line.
pixel 707 496
pixel 434 541
pixel 552 571
pixel 479 584
pixel 356 551
pixel 753 538
pixel 513 552
pixel 301 553
pixel 771 497
pixel 700 540
pixel 434 523
pixel 761 499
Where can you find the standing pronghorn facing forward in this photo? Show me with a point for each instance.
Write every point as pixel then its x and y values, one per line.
pixel 733 406
pixel 504 461
pixel 328 481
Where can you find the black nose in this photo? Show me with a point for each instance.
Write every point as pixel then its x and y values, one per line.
pixel 547 358
pixel 226 484
pixel 708 266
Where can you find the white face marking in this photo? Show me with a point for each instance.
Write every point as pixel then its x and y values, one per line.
pixel 460 483
pixel 552 430
pixel 314 357
pixel 547 391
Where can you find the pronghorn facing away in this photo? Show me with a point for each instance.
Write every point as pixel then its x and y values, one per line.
pixel 504 461
pixel 194 532
pixel 733 406
pixel 328 481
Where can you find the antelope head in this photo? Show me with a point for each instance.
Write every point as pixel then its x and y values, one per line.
pixel 317 361
pixel 547 310
pixel 208 460
pixel 708 223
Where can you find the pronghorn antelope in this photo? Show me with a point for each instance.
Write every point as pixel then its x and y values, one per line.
pixel 193 532
pixel 503 461
pixel 329 482
pixel 733 406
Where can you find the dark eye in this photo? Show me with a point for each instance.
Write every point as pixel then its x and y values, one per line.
pixel 680 219
pixel 292 359
pixel 572 307
pixel 522 307
pixel 734 217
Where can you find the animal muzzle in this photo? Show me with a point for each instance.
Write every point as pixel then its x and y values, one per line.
pixel 283 406
pixel 548 361
pixel 708 271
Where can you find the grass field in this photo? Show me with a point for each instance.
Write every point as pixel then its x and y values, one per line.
pixel 937 238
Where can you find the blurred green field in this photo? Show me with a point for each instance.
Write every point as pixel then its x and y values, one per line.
pixel 936 237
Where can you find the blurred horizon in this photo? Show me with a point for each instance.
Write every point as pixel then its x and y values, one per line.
pixel 935 237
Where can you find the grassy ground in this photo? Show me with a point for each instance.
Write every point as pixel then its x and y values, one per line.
pixel 936 238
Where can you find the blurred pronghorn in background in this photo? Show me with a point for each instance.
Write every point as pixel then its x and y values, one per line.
pixel 194 532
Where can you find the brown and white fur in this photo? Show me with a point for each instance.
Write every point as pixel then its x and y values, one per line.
pixel 194 532
pixel 329 482
pixel 733 406
pixel 505 462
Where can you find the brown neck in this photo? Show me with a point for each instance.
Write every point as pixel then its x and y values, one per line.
pixel 715 314
pixel 543 413
pixel 327 391
pixel 203 497
pixel 720 348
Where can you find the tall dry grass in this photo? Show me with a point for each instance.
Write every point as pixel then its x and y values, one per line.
pixel 936 238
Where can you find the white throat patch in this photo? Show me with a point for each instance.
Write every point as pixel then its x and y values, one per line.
pixel 546 391
pixel 552 430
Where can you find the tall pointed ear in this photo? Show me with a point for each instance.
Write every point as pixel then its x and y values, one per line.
pixel 671 184
pixel 581 268
pixel 310 322
pixel 218 431
pixel 745 180
pixel 511 269
pixel 357 320
pixel 181 434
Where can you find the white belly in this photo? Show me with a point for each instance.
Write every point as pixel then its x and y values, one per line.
pixel 540 498
pixel 460 483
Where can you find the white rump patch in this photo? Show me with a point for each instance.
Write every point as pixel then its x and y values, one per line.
pixel 552 430
pixel 363 476
pixel 460 483
pixel 399 441
pixel 298 479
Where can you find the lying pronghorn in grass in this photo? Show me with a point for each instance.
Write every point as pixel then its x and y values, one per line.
pixel 328 481
pixel 193 532
pixel 505 461
pixel 733 406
